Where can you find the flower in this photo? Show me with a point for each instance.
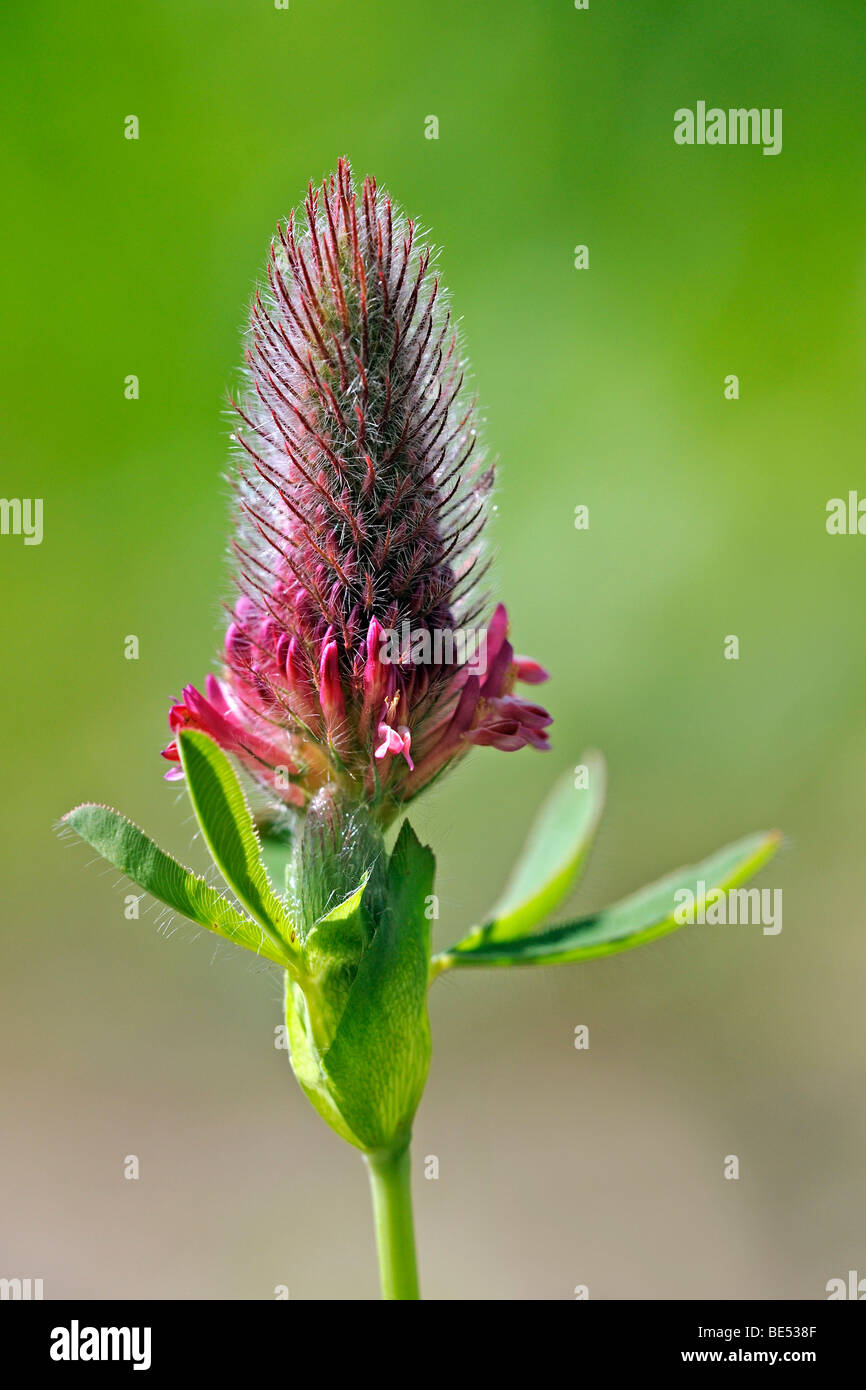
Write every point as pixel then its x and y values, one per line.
pixel 362 493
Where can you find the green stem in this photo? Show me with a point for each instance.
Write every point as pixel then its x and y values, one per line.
pixel 390 1184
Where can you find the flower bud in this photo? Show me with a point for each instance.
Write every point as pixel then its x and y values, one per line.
pixel 356 1016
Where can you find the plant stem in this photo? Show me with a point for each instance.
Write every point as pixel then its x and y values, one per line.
pixel 390 1184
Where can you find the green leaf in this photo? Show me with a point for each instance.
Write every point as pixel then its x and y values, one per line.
pixel 333 948
pixel 553 857
pixel 137 856
pixel 641 917
pixel 228 829
pixel 377 1064
pixel 348 910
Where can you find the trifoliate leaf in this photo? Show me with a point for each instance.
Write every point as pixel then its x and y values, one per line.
pixel 137 856
pixel 552 859
pixel 641 917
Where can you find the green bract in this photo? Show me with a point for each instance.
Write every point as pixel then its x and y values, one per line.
pixel 351 923
pixel 351 930
pixel 365 1070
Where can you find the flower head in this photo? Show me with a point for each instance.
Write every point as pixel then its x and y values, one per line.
pixel 354 653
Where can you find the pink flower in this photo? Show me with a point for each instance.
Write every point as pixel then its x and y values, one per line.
pixel 362 494
pixel 509 724
pixel 395 742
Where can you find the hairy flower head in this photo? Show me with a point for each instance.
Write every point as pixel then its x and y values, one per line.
pixel 358 649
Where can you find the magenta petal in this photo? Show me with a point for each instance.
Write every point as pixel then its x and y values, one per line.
pixel 497 631
pixel 302 692
pixel 510 707
pixel 395 742
pixel 237 645
pixel 509 724
pixel 465 711
pixel 376 675
pixel 497 671
pixel 405 745
pixel 529 671
pixel 216 695
pixel 391 741
pixel 330 689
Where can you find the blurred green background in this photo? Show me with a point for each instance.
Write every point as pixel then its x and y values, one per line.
pixel 602 387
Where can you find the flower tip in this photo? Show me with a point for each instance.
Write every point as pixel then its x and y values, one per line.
pixel 374 637
pixel 529 671
pixel 497 628
pixel 331 696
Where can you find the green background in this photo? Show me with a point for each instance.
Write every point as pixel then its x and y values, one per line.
pixel 603 387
